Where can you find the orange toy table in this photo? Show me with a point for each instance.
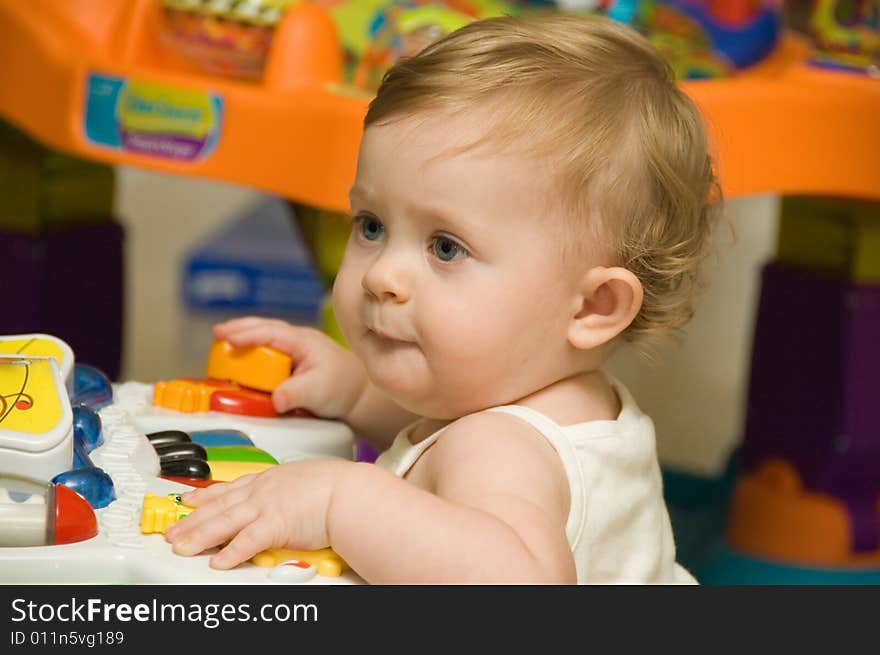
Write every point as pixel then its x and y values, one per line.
pixel 780 127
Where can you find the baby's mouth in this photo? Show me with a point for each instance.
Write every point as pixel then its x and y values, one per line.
pixel 387 338
pixel 384 335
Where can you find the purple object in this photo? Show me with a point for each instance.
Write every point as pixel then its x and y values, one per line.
pixel 67 283
pixel 364 452
pixel 812 395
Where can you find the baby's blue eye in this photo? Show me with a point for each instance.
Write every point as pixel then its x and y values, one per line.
pixel 447 250
pixel 371 227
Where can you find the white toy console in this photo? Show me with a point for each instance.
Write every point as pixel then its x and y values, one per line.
pixel 120 553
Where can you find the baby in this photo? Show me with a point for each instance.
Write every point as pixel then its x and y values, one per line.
pixel 530 192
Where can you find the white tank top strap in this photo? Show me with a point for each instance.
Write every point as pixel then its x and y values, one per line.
pixel 557 437
pixel 402 454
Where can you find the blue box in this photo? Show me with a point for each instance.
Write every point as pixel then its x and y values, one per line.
pixel 256 264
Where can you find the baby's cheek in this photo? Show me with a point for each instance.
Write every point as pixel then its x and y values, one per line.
pixel 464 350
pixel 467 321
pixel 345 302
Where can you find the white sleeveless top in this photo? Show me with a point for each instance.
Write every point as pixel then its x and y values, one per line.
pixel 618 526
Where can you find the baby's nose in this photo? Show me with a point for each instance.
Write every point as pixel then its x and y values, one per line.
pixel 387 279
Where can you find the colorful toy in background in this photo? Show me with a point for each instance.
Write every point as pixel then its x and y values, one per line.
pixel 223 37
pixel 374 34
pixel 846 35
pixel 682 39
pixel 703 39
pixel 399 30
pixel 806 505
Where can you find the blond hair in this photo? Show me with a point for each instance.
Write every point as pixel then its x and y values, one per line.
pixel 628 145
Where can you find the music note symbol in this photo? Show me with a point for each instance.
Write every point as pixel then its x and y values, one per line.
pixel 20 401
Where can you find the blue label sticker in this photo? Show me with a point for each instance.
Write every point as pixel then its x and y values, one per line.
pixel 152 119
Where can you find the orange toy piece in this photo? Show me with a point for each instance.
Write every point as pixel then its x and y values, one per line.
pixel 325 560
pixel 260 367
pixel 188 394
pixel 773 516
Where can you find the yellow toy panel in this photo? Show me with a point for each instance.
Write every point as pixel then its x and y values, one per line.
pixel 228 471
pixel 29 398
pixel 95 78
pixel 39 345
pixel 36 421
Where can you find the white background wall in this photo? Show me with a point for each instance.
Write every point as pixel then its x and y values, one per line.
pixel 694 389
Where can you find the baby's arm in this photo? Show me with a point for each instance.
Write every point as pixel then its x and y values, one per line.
pixel 327 379
pixel 495 512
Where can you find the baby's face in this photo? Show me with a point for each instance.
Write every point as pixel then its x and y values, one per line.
pixel 452 290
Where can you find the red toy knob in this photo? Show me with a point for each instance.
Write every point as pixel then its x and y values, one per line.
pixel 74 517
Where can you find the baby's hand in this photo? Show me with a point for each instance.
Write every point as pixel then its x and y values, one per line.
pixel 285 506
pixel 327 379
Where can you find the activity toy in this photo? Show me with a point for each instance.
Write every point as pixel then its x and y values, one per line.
pixel 104 463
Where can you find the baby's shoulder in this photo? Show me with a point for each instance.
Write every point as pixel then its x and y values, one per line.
pixel 495 438
pixel 494 455
pixel 488 427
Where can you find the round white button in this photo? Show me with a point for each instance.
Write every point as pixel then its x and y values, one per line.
pixel 293 571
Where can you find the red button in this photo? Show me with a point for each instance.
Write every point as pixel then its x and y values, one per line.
pixel 244 402
pixel 193 482
pixel 74 517
pixel 300 412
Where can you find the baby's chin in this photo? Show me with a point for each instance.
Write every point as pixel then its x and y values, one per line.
pixel 415 386
pixel 409 398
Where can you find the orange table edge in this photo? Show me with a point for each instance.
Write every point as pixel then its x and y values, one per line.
pixel 780 127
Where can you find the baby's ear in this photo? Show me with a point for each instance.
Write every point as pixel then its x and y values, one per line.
pixel 608 301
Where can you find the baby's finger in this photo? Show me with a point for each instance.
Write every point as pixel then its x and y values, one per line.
pixel 204 495
pixel 296 391
pixel 247 543
pixel 295 341
pixel 206 513
pixel 224 329
pixel 219 529
pixel 198 497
